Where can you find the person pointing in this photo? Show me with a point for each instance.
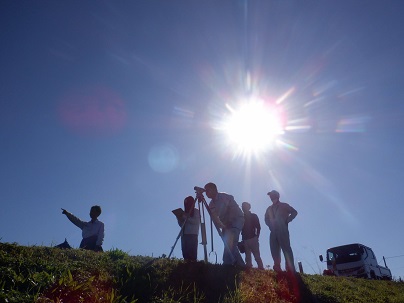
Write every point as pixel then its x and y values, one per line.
pixel 92 231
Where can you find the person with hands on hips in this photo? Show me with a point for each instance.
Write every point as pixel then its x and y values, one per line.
pixel 277 217
pixel 92 231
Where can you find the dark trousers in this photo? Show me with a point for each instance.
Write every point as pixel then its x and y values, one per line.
pixel 189 246
pixel 90 243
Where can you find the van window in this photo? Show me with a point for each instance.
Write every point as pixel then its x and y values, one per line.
pixel 344 254
pixel 371 254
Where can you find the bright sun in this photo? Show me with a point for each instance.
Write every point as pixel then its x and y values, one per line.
pixel 253 127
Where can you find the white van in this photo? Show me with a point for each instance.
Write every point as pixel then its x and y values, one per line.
pixel 355 260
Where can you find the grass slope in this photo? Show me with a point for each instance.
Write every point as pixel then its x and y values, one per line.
pixel 45 275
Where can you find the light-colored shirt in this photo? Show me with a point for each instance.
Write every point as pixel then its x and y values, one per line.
pixel 278 215
pixel 192 225
pixel 224 207
pixel 89 229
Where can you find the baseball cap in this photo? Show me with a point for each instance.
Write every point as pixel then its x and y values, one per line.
pixel 273 193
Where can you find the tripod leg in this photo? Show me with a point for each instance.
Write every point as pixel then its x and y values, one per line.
pixel 203 230
pixel 204 242
pixel 176 240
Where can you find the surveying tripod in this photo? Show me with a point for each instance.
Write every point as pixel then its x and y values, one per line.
pixel 202 206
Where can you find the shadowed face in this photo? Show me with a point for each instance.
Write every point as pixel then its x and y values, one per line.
pixel 189 204
pixel 211 192
pixel 94 213
pixel 246 207
pixel 274 198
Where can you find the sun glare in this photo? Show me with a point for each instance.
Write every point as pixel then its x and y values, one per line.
pixel 253 127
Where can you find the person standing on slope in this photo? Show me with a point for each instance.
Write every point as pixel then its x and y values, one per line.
pixel 250 234
pixel 277 217
pixel 227 215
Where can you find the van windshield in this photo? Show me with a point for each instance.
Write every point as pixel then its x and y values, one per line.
pixel 344 254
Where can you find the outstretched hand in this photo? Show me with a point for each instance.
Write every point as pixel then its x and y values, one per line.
pixel 64 211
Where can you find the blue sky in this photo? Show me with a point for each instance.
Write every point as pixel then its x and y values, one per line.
pixel 122 104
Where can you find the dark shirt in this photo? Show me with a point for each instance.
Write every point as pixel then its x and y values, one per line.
pixel 251 226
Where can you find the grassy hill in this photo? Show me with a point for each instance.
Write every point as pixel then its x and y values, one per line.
pixel 44 274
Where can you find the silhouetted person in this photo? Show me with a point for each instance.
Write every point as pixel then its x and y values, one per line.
pixel 228 216
pixel 277 217
pixel 190 230
pixel 92 231
pixel 250 234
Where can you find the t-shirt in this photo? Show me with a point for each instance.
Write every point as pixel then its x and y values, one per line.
pixel 251 226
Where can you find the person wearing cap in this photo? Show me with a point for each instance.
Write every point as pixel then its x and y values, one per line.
pixel 227 215
pixel 189 222
pixel 277 217
pixel 250 234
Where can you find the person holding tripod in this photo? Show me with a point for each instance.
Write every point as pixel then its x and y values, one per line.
pixel 189 221
pixel 227 215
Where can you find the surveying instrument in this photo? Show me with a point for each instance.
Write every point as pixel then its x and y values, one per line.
pixel 202 204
